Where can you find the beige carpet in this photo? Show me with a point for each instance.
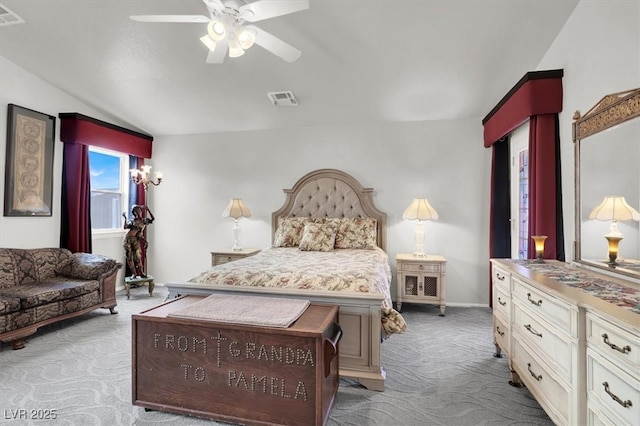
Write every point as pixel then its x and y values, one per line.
pixel 441 372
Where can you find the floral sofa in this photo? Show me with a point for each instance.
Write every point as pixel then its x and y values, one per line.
pixel 44 285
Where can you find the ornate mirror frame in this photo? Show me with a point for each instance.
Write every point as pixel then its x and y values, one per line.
pixel 610 111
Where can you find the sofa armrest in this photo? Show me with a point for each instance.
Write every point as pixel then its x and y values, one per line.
pixel 88 266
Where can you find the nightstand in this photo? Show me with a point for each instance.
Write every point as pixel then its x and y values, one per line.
pixel 420 280
pixel 219 257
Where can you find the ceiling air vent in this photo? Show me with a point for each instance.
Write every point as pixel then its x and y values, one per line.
pixel 7 17
pixel 282 98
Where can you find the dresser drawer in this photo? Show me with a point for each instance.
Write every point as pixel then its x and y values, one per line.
pixel 554 347
pixel 420 267
pixel 545 387
pixel 546 306
pixel 613 389
pixel 225 258
pixel 614 343
pixel 500 278
pixel 501 302
pixel 595 417
pixel 501 333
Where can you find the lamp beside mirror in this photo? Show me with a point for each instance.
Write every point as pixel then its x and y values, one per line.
pixel 539 245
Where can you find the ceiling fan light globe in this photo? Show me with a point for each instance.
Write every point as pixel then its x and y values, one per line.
pixel 216 30
pixel 246 37
pixel 234 49
pixel 207 41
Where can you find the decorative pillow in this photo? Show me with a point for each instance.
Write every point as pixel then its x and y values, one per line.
pixel 318 237
pixel 289 231
pixel 357 233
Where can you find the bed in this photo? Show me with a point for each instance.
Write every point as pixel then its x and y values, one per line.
pixel 351 270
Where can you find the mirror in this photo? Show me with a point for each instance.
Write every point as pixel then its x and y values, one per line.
pixel 607 161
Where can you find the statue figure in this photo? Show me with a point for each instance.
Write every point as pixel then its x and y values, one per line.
pixel 135 245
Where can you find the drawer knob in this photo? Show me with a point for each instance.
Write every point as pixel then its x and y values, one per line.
pixel 625 350
pixel 501 302
pixel 534 375
pixel 228 258
pixel 533 302
pixel 532 330
pixel 500 277
pixel 625 404
pixel 420 267
pixel 498 331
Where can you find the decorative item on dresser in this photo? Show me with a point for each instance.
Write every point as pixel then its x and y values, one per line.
pixel 420 280
pixel 572 337
pixel 218 257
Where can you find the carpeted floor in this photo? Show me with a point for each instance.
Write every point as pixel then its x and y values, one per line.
pixel 441 372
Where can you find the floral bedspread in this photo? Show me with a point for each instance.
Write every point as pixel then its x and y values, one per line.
pixel 364 271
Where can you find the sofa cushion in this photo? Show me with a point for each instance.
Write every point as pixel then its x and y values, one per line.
pixel 8 304
pixel 25 266
pixel 31 295
pixel 87 266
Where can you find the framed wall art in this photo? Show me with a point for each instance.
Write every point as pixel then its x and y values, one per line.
pixel 28 182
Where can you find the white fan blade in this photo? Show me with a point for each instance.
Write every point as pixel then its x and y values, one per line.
pixel 274 45
pixel 265 9
pixel 217 56
pixel 189 19
pixel 214 4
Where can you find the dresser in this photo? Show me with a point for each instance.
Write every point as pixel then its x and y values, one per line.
pixel 572 337
pixel 420 280
pixel 219 257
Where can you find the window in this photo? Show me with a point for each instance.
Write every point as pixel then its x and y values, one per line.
pixel 520 192
pixel 109 188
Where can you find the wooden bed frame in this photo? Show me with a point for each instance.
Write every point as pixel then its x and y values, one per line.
pixel 329 193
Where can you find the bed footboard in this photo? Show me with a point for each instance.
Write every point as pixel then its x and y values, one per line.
pixel 360 319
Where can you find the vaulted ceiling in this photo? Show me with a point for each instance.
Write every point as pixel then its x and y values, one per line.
pixel 362 60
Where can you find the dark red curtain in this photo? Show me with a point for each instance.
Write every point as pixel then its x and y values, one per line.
pixel 545 196
pixel 75 226
pixel 78 132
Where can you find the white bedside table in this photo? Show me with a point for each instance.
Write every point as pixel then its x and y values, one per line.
pixel 421 280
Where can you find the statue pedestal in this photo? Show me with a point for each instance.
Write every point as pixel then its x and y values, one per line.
pixel 130 282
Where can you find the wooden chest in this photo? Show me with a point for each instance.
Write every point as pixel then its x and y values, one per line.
pixel 236 373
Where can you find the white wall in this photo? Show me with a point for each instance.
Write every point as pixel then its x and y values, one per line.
pixel 19 87
pixel 599 50
pixel 442 160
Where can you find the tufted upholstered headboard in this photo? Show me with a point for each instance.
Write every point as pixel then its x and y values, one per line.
pixel 331 193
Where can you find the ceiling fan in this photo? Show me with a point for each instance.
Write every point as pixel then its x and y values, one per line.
pixel 226 29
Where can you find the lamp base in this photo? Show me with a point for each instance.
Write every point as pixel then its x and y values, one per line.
pixel 235 231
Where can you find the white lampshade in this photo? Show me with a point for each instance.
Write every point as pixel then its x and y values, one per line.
pixel 236 209
pixel 420 209
pixel 246 37
pixel 209 42
pixel 614 208
pixel 234 48
pixel 217 30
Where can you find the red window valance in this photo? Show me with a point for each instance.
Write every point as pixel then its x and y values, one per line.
pixel 538 92
pixel 79 129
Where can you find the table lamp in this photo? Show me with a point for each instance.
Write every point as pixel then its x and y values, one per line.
pixel 539 245
pixel 236 209
pixel 420 210
pixel 614 208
